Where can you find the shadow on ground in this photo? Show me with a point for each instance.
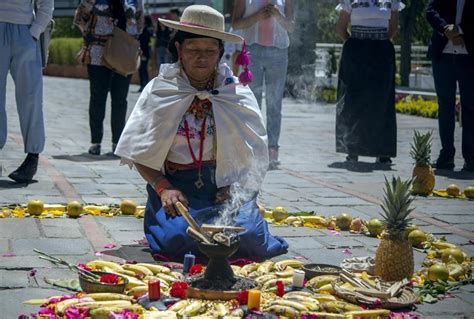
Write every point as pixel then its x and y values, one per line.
pixel 86 157
pixel 8 184
pixel 137 253
pixel 361 167
pixel 461 175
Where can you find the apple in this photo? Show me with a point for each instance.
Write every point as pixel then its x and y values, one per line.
pixel 74 209
pixel 35 207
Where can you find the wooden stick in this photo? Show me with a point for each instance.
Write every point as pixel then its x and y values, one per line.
pixel 189 219
pixel 219 228
pixel 197 235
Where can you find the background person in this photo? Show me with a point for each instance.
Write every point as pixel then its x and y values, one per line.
pixel 20 29
pixel 265 26
pixel 365 116
pixel 451 50
pixel 145 38
pixel 96 20
pixel 194 136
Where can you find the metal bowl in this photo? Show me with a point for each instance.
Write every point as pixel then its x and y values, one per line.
pixel 92 286
pixel 313 270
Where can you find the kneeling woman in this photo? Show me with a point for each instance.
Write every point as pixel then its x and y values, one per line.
pixel 196 135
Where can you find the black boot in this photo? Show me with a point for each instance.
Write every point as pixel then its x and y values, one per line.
pixel 26 171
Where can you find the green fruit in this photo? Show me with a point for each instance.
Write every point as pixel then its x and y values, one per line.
pixel 35 207
pixel 74 209
pixel 279 214
pixel 469 192
pixel 455 253
pixel 417 237
pixel 409 229
pixel 343 221
pixel 128 207
pixel 438 272
pixel 375 227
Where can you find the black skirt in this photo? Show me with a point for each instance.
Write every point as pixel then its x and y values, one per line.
pixel 365 118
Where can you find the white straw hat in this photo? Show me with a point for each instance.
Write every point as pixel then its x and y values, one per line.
pixel 203 20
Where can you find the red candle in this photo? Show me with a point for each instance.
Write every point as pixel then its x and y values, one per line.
pixel 154 292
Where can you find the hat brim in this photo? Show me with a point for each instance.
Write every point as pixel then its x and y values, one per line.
pixel 226 36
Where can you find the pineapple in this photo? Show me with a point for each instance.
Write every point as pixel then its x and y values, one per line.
pixel 394 256
pixel 423 176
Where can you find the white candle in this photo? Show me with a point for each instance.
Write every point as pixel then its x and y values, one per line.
pixel 298 278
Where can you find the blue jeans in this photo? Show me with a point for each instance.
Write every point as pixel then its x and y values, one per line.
pixel 162 56
pixel 20 54
pixel 449 70
pixel 269 64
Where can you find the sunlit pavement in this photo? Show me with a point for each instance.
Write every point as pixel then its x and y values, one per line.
pixel 312 177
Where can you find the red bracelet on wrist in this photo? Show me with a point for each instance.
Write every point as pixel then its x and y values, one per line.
pixel 162 185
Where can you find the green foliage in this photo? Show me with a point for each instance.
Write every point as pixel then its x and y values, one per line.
pixel 63 28
pixel 325 94
pixel 418 106
pixel 64 50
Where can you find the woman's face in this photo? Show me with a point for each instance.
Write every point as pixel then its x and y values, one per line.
pixel 199 57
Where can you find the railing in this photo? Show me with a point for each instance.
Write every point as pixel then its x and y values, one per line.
pixel 420 75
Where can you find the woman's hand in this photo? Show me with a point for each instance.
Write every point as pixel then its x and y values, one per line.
pixel 265 12
pixel 223 195
pixel 169 197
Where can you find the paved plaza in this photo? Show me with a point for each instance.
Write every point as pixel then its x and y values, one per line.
pixel 312 177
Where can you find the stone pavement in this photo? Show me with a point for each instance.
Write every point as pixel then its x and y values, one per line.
pixel 312 177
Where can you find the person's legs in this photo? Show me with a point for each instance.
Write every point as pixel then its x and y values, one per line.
pixel 275 77
pixel 143 74
pixel 99 84
pixel 465 75
pixel 445 84
pixel 26 71
pixel 257 68
pixel 118 92
pixel 5 56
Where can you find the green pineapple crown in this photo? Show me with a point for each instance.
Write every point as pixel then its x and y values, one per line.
pixel 396 205
pixel 421 148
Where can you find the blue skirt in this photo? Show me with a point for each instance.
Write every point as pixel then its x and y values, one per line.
pixel 167 236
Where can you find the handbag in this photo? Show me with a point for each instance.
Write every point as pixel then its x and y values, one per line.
pixel 121 53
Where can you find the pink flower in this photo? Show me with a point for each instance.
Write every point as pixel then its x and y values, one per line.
pixel 347 252
pixel 76 313
pixel 85 267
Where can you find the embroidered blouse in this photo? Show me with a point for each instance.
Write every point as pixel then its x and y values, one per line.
pixel 179 151
pixel 95 20
pixel 370 13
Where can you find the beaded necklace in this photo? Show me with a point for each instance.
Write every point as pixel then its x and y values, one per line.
pixel 201 109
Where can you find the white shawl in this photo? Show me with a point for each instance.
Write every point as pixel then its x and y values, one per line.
pixel 242 155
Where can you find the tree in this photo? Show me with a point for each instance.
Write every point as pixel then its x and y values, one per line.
pixel 412 26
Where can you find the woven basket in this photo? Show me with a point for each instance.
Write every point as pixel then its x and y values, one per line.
pixel 92 286
pixel 404 299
